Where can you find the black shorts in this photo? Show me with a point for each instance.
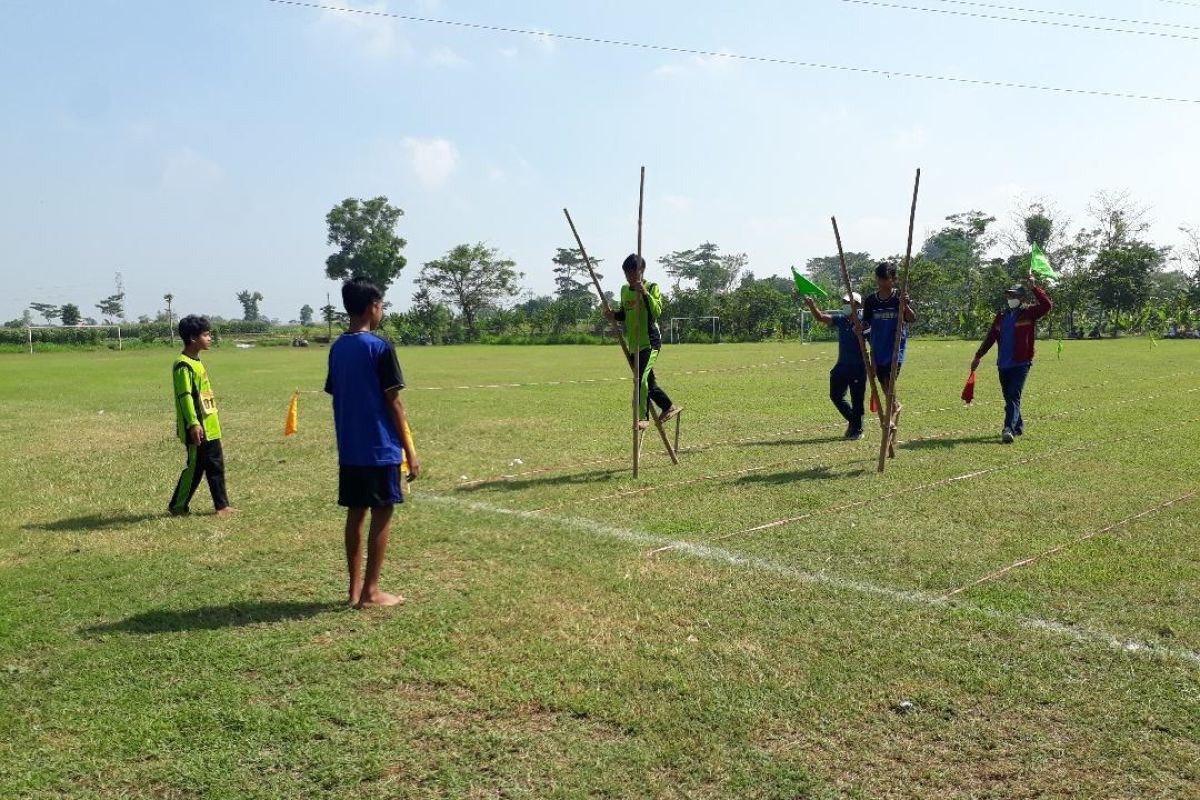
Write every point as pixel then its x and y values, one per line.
pixel 369 487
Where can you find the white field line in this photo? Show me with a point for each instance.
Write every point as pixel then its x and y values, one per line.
pixel 779 523
pixel 642 540
pixel 772 437
pixel 1025 562
pixel 822 455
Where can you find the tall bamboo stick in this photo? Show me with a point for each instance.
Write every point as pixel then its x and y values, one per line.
pixel 886 447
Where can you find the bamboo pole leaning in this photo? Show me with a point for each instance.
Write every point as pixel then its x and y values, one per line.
pixel 887 445
pixel 856 309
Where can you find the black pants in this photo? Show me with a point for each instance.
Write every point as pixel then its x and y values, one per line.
pixel 650 390
pixel 883 373
pixel 845 377
pixel 1012 384
pixel 204 459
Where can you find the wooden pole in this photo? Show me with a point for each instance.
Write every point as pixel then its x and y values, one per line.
pixel 637 327
pixel 671 451
pixel 857 309
pixel 887 446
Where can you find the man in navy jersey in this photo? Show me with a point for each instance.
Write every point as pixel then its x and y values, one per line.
pixel 368 417
pixel 881 312
pixel 850 371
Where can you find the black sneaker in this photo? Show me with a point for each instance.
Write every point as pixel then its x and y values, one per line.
pixel 854 435
pixel 1007 436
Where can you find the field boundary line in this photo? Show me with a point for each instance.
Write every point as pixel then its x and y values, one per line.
pixel 1068 545
pixel 643 539
pixel 774 437
pixel 966 476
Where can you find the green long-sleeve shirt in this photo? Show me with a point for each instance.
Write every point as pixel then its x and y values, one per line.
pixel 194 400
pixel 649 335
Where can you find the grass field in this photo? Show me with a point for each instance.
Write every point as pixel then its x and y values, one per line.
pixel 572 632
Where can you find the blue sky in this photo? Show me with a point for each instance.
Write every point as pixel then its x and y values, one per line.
pixel 196 145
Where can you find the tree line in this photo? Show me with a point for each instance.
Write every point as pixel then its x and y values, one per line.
pixel 1113 280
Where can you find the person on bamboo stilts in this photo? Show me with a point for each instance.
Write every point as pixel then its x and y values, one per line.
pixel 849 374
pixel 881 313
pixel 1014 331
pixel 645 342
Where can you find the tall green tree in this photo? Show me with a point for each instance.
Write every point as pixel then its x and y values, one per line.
pixel 1122 274
pixel 306 315
pixel 70 314
pixel 364 232
pixel 708 269
pixel 249 301
pixel 827 270
pixel 431 318
pixel 571 278
pixel 471 277
pixel 49 311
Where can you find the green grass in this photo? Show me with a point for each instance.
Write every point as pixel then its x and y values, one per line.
pixel 543 652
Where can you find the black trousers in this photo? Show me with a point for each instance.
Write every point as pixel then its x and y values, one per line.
pixel 203 460
pixel 843 378
pixel 650 390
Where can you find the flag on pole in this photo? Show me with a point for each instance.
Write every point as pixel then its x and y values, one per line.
pixel 1060 349
pixel 806 287
pixel 1040 265
pixel 1153 342
pixel 968 392
pixel 874 404
pixel 290 424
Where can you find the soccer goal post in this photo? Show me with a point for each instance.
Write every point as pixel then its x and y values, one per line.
pixel 61 329
pixel 714 325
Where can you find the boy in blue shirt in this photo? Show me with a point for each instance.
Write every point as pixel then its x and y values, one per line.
pixel 850 371
pixel 881 311
pixel 365 382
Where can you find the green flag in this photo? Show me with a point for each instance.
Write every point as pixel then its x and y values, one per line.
pixel 1060 349
pixel 1040 265
pixel 806 287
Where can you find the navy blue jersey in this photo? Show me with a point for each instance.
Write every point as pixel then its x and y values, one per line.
pixel 849 354
pixel 362 369
pixel 882 316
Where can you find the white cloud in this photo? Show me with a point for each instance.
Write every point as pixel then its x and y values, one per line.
pixel 678 203
pixel 186 169
pixel 508 52
pixel 369 33
pixel 433 160
pixel 445 57
pixel 716 64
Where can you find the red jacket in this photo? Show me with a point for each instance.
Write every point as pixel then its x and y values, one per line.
pixel 1025 328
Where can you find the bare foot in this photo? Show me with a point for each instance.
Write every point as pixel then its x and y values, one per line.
pixel 379 600
pixel 643 424
pixel 226 511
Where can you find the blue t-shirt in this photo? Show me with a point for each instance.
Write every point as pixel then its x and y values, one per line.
pixel 362 369
pixel 849 354
pixel 1006 343
pixel 882 316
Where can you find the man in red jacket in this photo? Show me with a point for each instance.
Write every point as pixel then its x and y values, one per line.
pixel 1014 330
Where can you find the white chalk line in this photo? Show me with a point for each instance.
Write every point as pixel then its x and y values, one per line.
pixel 787 462
pixel 779 523
pixel 642 540
pixel 770 437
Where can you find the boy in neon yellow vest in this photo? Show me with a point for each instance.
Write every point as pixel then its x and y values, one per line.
pixel 196 421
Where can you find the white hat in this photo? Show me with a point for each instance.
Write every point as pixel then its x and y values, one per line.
pixel 857 299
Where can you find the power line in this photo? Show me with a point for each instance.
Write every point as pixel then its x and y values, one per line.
pixel 999 18
pixel 1073 15
pixel 749 58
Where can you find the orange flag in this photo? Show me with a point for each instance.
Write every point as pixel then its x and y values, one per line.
pixel 968 393
pixel 290 425
pixel 874 404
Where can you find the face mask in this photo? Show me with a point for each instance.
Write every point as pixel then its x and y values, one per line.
pixel 1014 303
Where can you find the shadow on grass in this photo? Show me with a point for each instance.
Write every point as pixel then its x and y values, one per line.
pixel 92 522
pixel 209 618
pixel 946 444
pixel 812 474
pixel 792 442
pixel 513 485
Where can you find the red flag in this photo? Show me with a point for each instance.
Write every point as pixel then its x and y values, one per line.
pixel 968 393
pixel 874 403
